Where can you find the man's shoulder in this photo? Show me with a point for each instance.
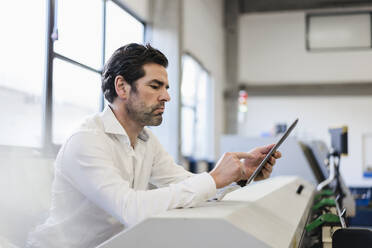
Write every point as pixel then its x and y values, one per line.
pixel 91 125
pixel 93 122
pixel 89 134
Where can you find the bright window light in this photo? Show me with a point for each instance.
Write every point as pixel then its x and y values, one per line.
pixel 76 94
pixel 80 31
pixel 196 112
pixel 22 58
pixel 121 28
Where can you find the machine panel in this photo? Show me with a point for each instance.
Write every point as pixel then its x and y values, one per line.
pixel 270 213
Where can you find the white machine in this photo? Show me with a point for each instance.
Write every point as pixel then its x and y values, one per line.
pixel 270 213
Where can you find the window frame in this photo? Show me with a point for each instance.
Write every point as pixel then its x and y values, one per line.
pixel 209 100
pixel 48 147
pixel 311 14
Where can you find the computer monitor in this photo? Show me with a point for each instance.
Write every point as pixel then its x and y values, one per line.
pixel 316 153
pixel 339 139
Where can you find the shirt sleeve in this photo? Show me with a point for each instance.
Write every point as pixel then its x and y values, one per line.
pixel 164 170
pixel 87 163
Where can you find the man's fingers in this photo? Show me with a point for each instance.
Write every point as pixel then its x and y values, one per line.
pixel 263 149
pixel 273 158
pixel 277 154
pixel 268 168
pixel 266 171
pixel 266 149
pixel 242 155
pixel 271 161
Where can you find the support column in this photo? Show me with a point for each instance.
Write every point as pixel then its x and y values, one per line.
pixel 231 47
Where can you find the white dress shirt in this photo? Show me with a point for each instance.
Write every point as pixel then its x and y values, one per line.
pixel 101 185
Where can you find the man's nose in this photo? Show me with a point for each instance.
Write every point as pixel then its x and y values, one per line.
pixel 165 96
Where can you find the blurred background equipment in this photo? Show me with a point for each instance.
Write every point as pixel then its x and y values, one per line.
pixel 339 140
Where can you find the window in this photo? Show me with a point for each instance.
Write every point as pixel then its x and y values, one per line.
pixel 121 28
pixel 76 93
pixel 77 68
pixel 21 72
pixel 77 59
pixel 80 36
pixel 196 124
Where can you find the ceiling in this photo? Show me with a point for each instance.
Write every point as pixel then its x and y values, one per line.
pixel 247 6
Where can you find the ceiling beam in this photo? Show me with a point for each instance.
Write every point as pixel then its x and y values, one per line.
pixel 349 89
pixel 247 6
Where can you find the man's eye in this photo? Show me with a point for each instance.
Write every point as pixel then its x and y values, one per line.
pixel 155 87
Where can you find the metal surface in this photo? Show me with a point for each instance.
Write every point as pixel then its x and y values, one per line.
pixel 64 58
pixel 103 51
pixel 332 89
pixel 332 174
pixel 247 6
pixel 340 214
pixel 48 80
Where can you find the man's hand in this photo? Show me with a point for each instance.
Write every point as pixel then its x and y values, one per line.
pixel 236 166
pixel 258 154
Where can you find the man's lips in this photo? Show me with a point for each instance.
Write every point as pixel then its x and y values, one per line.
pixel 159 110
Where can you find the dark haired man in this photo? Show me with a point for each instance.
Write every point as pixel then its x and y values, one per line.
pixel 103 170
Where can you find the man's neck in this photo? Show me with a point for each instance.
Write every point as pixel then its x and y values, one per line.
pixel 131 127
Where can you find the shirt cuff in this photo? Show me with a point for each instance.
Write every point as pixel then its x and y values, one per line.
pixel 205 184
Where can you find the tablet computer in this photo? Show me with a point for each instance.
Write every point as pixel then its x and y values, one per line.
pixel 271 152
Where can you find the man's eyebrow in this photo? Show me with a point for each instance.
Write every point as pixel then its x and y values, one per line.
pixel 160 83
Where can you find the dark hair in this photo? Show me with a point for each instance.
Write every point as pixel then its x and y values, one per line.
pixel 128 61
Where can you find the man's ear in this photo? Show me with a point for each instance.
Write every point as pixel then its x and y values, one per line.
pixel 122 87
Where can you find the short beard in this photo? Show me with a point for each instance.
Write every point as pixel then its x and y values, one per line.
pixel 143 115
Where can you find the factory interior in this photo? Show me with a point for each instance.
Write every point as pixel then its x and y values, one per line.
pixel 240 73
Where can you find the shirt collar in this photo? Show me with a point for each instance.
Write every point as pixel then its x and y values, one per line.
pixel 112 125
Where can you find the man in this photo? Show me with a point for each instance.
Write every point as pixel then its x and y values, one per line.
pixel 103 170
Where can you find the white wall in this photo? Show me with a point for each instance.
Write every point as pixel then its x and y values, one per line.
pixel 203 37
pixel 316 115
pixel 272 50
pixel 140 7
